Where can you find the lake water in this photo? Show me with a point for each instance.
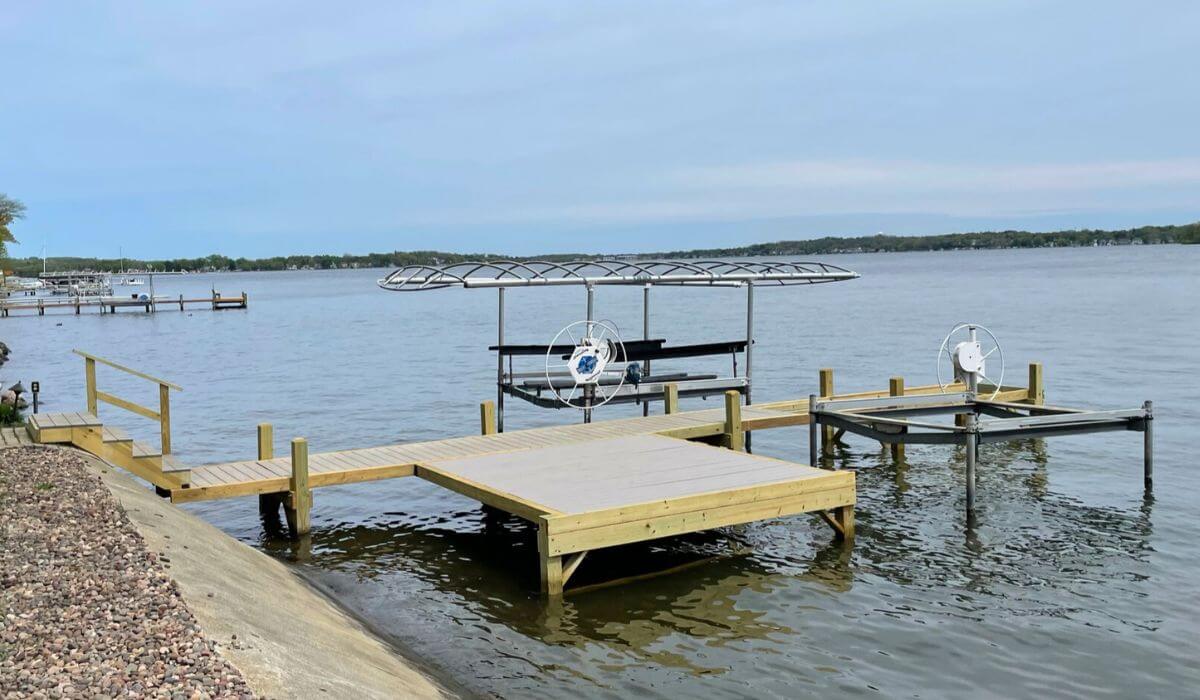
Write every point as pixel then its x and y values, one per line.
pixel 1073 582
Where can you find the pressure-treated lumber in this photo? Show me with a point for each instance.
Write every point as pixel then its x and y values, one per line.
pixel 487 418
pixel 735 435
pixel 825 390
pixel 896 388
pixel 670 398
pixel 1037 384
pixel 299 499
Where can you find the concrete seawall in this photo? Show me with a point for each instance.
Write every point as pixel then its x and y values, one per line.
pixel 287 639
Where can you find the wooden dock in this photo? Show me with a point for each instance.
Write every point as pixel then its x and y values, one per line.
pixel 585 486
pixel 110 304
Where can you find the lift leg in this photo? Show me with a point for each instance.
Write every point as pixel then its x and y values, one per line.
pixel 972 445
pixel 812 430
pixel 1148 445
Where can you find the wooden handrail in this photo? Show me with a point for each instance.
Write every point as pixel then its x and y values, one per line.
pixel 123 368
pixel 162 416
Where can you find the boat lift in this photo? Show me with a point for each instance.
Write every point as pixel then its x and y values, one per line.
pixel 979 419
pixel 588 364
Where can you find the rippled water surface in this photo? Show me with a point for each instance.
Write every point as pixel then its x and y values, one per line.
pixel 1074 582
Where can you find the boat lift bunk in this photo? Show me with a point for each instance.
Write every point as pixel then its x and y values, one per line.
pixel 618 370
pixel 538 389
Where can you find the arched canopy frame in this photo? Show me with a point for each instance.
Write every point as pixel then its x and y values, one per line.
pixel 492 274
pixel 504 274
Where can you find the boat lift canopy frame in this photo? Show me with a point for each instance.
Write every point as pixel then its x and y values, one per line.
pixel 503 274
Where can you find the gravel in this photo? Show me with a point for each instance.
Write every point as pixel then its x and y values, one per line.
pixel 86 610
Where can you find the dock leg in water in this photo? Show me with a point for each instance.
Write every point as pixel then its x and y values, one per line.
pixel 972 453
pixel 825 384
pixel 1148 445
pixel 268 503
pixel 299 499
pixel 812 430
pixel 551 568
pixel 896 388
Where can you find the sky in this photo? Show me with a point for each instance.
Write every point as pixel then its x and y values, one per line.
pixel 259 128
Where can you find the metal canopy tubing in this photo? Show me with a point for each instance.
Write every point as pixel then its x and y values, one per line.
pixel 542 273
pixel 502 274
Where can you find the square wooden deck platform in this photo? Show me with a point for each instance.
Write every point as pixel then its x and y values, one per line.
pixel 606 492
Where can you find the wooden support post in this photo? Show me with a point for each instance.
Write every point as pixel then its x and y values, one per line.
pixel 1037 384
pixel 670 398
pixel 825 386
pixel 245 300
pixel 299 500
pixel 735 436
pixel 896 388
pixel 181 302
pixel 164 417
pixel 844 516
pixel 551 568
pixel 487 418
pixel 89 372
pixel 268 503
pixel 1148 445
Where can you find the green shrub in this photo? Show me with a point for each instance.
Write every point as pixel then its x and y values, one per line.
pixel 10 416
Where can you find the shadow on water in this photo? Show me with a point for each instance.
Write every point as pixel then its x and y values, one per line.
pixel 489 562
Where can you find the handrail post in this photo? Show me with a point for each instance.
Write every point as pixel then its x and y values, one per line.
pixel 89 371
pixel 164 417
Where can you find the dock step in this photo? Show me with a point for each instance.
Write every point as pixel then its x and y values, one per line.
pixel 171 464
pixel 110 435
pixel 44 421
pixel 141 449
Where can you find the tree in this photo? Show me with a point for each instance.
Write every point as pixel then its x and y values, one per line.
pixel 10 211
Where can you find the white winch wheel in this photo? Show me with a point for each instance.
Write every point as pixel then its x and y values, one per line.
pixel 597 345
pixel 953 344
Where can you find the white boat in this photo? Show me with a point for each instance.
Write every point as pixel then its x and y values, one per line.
pixel 132 282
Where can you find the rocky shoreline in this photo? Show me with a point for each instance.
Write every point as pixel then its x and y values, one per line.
pixel 86 609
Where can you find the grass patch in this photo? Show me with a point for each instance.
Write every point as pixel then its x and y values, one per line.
pixel 44 487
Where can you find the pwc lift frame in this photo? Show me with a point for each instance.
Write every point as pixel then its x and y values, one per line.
pixel 889 420
pixel 533 387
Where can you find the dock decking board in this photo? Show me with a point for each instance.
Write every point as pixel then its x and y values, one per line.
pixel 372 460
pixel 586 486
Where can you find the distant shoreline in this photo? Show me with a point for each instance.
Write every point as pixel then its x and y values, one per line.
pixel 829 245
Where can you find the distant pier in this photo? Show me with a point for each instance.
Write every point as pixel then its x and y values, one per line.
pixel 110 304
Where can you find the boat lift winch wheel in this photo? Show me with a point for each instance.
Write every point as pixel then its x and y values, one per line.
pixel 597 348
pixel 967 355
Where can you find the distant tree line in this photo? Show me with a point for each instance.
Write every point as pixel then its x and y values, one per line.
pixel 1145 235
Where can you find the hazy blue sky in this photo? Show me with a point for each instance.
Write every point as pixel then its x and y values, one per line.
pixel 267 128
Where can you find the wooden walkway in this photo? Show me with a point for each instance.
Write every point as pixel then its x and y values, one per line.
pixel 110 304
pixel 586 486
pixel 348 466
pixel 15 437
